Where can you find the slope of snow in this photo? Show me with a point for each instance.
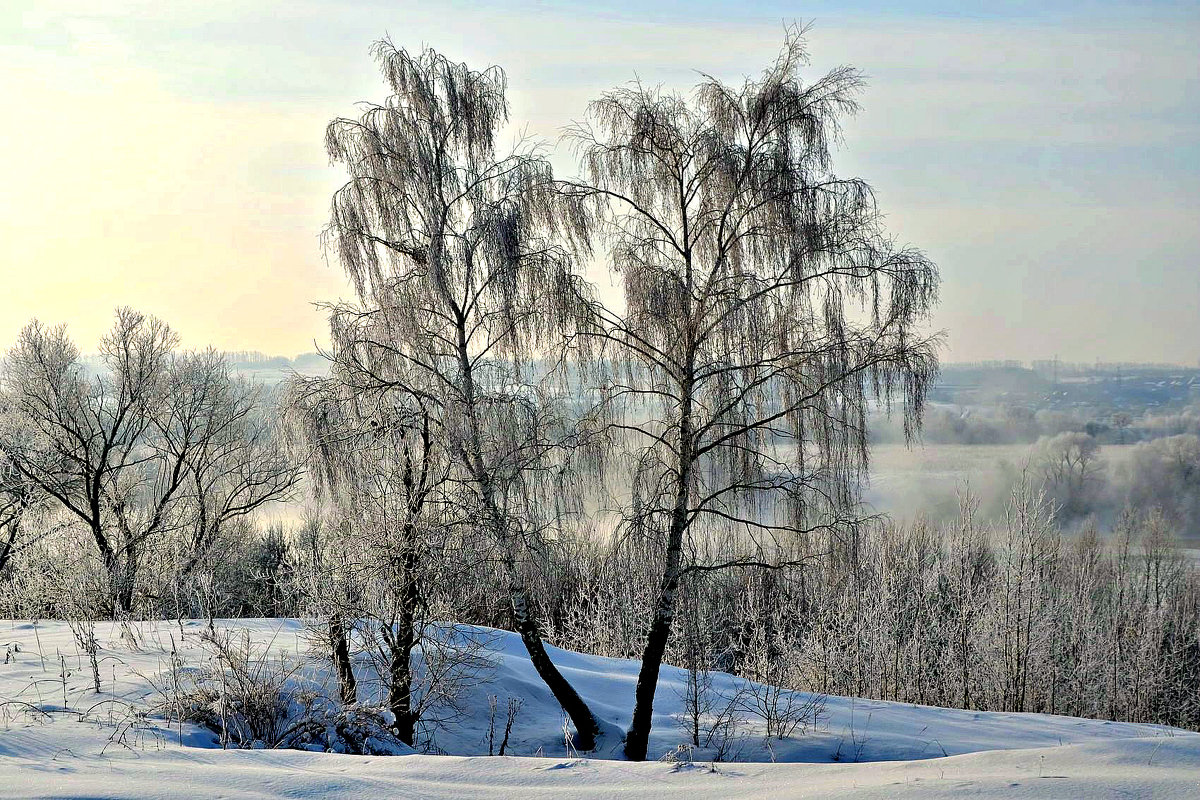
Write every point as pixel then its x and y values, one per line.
pixel 1164 769
pixel 58 738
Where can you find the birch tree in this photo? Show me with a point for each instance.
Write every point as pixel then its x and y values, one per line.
pixel 764 306
pixel 452 251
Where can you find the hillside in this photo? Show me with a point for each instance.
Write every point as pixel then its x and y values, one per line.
pixel 59 739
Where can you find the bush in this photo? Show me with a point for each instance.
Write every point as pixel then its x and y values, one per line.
pixel 251 700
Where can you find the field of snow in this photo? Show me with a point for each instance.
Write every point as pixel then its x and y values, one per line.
pixel 59 738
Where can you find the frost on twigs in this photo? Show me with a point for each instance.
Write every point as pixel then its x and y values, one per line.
pixel 253 700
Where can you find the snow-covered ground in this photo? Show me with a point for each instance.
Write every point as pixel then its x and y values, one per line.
pixel 58 738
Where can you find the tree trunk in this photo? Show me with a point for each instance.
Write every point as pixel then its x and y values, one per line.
pixel 340 650
pixel 587 728
pixel 400 642
pixel 7 545
pixel 112 567
pixel 638 737
pixel 121 573
pixel 400 685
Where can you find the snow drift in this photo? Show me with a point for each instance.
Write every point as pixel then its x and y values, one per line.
pixel 58 737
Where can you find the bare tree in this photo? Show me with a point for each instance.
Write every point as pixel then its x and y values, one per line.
pixel 970 563
pixel 1030 543
pixel 460 283
pixel 236 463
pixel 327 585
pixel 375 458
pixel 119 449
pixel 1070 469
pixel 764 306
pixel 1121 420
pixel 92 430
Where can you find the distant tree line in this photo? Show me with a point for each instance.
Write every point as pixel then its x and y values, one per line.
pixel 1073 459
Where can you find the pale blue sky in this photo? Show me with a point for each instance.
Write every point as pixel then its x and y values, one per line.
pixel 169 154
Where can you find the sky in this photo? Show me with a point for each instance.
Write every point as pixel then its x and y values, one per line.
pixel 169 155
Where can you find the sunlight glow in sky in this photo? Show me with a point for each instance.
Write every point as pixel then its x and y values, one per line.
pixel 168 155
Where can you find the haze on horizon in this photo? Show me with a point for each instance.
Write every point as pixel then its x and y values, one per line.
pixel 170 156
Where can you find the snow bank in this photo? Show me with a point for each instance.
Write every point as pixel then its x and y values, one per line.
pixel 59 738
